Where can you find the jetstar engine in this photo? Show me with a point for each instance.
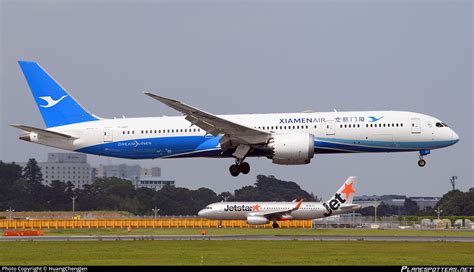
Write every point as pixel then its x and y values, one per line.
pixel 291 148
pixel 257 220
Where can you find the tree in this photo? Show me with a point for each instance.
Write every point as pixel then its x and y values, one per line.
pixel 10 171
pixel 269 188
pixel 32 172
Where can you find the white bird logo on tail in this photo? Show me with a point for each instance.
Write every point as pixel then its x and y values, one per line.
pixel 51 102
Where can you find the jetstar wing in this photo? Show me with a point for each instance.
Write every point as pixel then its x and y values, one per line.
pixel 234 133
pixel 279 214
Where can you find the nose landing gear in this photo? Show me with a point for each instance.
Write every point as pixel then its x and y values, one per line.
pixel 421 161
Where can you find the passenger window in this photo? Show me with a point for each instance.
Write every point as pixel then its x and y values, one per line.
pixel 155 131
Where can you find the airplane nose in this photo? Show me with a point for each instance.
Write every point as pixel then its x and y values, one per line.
pixel 455 137
pixel 201 213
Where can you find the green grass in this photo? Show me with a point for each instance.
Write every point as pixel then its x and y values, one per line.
pixel 207 252
pixel 251 231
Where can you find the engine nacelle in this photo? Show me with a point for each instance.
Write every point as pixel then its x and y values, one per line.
pixel 291 148
pixel 257 220
pixel 30 137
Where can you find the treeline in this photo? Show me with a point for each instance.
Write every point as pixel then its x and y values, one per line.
pixel 22 190
pixel 453 203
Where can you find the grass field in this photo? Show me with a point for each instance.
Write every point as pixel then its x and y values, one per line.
pixel 251 231
pixel 235 253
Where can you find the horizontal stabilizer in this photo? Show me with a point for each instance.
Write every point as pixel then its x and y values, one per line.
pixel 44 132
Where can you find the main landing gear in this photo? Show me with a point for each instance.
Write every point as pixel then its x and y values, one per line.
pixel 275 225
pixel 237 168
pixel 240 166
pixel 421 161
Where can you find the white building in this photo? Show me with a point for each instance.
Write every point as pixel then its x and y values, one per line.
pixel 123 171
pixel 66 167
pixel 155 183
pixel 140 177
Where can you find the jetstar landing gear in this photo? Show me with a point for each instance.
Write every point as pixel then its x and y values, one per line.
pixel 275 225
pixel 422 162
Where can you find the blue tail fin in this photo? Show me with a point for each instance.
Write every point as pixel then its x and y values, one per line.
pixel 57 107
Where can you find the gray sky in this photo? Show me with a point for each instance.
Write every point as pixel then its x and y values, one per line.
pixel 253 57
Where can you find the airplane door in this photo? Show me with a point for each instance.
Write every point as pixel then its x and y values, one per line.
pixel 108 135
pixel 415 125
pixel 330 127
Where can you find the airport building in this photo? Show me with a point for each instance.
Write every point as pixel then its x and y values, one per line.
pixel 155 183
pixel 66 167
pixel 395 200
pixel 140 177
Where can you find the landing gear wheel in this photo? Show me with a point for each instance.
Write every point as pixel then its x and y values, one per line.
pixel 275 225
pixel 244 168
pixel 234 170
pixel 421 163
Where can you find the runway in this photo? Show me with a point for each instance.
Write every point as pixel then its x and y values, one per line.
pixel 240 237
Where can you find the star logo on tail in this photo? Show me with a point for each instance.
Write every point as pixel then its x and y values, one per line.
pixel 348 190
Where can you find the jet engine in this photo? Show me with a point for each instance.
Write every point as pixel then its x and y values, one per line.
pixel 291 148
pixel 257 220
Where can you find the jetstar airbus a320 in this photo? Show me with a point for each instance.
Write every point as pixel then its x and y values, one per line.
pixel 259 213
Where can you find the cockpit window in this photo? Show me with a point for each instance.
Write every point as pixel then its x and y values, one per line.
pixel 440 124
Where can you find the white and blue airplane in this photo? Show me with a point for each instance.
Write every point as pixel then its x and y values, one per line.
pixel 285 138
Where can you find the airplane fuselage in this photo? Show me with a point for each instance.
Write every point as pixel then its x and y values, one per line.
pixel 334 132
pixel 242 210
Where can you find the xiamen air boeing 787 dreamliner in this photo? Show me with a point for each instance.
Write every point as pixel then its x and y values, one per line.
pixel 285 138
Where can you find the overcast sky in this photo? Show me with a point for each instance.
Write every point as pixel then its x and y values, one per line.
pixel 253 57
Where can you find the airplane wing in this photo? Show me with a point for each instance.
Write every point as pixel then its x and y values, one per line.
pixel 234 133
pixel 349 207
pixel 279 214
pixel 44 132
